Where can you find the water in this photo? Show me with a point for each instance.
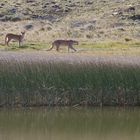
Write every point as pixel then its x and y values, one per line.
pixel 70 124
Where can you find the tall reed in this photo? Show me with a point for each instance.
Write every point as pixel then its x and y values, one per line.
pixel 32 83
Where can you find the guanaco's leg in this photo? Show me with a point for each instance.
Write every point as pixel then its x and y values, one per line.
pixel 19 43
pixel 57 47
pixel 7 42
pixel 70 46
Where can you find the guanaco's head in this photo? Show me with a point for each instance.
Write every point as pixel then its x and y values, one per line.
pixel 23 33
pixel 75 42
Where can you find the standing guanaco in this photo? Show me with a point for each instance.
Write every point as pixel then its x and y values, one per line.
pixel 15 37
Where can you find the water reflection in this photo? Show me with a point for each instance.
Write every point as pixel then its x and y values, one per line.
pixel 70 124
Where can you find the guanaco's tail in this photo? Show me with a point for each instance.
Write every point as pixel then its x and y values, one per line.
pixel 51 47
pixel 6 40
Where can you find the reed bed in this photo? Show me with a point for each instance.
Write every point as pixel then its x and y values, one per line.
pixel 37 80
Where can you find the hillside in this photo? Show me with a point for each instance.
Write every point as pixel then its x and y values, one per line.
pixel 90 20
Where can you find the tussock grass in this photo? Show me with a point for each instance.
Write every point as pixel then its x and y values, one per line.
pixel 34 83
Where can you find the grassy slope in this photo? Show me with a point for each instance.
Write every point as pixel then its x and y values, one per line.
pixel 91 20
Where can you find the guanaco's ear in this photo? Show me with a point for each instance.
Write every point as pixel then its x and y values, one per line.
pixel 23 32
pixel 77 42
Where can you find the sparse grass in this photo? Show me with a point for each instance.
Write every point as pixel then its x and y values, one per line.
pixel 99 48
pixel 31 83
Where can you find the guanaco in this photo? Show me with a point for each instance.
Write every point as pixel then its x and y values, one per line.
pixel 15 37
pixel 68 43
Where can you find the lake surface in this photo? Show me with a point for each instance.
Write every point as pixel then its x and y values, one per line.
pixel 70 124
